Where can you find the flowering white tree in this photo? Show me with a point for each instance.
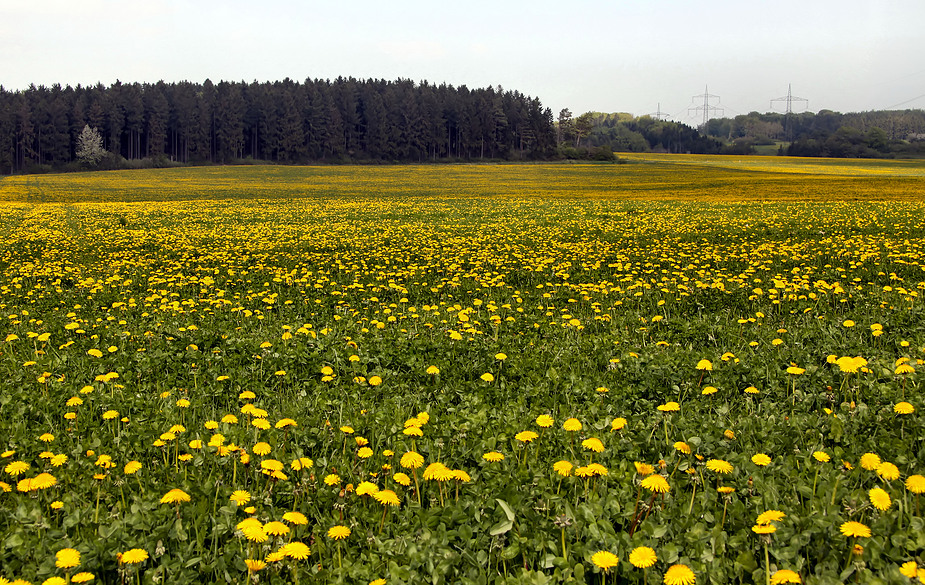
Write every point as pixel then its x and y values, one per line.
pixel 90 146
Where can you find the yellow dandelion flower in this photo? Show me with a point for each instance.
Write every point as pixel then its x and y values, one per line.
pixel 880 499
pixel 903 408
pixel 770 516
pixel 387 498
pixel 593 444
pixel 175 496
pixel 43 481
pixel 302 463
pixel 761 459
pixel 605 560
pixel 909 569
pixel 67 558
pixel 679 575
pixel 545 421
pixel 255 533
pixel 16 468
pixel 618 424
pixel 299 550
pixel 719 466
pixel 438 472
pixel 643 468
pixel 366 487
pixel 276 528
pixel 642 557
pixel 821 456
pixel 888 471
pixel 785 576
pixel 870 461
pixel 338 532
pixel 254 564
pixel 240 497
pixel 275 556
pixel 133 556
pixel 525 436
pixel 411 460
pixel 915 484
pixel 572 425
pixel 855 529
pixel 295 518
pixel 656 483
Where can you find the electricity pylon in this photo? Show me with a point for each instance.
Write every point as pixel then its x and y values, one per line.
pixel 707 108
pixel 788 101
pixel 659 115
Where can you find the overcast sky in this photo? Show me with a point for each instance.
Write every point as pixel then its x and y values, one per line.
pixel 620 55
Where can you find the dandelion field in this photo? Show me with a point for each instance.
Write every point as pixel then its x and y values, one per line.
pixel 677 370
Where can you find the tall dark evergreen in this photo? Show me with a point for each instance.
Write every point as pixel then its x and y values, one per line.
pixel 288 121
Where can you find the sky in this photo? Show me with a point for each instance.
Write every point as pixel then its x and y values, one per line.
pixel 636 56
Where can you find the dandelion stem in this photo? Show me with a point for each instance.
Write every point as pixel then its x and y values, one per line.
pixel 850 552
pixel 767 564
pixel 564 551
pixel 96 515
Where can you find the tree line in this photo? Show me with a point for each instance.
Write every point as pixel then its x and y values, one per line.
pixel 875 134
pixel 284 121
pixel 594 134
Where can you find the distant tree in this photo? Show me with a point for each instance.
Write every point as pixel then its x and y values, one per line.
pixel 565 126
pixel 90 146
pixel 583 126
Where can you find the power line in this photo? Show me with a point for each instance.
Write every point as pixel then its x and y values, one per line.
pixel 906 102
pixel 707 108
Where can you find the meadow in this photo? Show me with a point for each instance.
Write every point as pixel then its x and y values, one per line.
pixel 677 370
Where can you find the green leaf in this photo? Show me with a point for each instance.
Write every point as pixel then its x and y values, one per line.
pixel 746 561
pixel 507 509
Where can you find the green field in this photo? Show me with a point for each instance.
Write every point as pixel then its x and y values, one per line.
pixel 213 375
